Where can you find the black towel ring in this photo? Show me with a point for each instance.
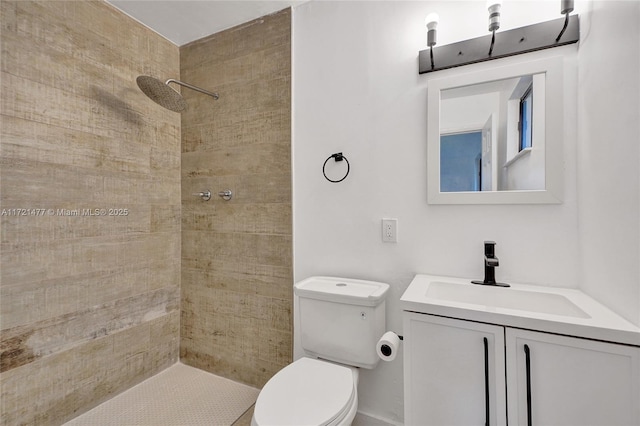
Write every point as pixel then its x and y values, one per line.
pixel 337 157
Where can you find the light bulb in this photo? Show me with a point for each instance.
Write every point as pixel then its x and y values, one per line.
pixel 431 21
pixel 494 5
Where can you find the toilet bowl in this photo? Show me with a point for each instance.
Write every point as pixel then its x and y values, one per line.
pixel 340 321
pixel 309 392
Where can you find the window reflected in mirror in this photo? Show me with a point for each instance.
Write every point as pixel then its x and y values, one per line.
pixel 526 119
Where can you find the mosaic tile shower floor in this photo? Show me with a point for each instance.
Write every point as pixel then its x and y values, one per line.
pixel 178 396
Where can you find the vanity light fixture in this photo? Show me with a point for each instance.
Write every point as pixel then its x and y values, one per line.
pixel 431 21
pixel 505 43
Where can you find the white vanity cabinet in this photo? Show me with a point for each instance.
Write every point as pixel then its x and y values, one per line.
pixel 571 381
pixel 450 379
pixel 452 375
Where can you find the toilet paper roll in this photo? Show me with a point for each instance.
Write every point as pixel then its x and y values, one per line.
pixel 387 346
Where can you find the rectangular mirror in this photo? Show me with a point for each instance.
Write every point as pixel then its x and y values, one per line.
pixel 494 136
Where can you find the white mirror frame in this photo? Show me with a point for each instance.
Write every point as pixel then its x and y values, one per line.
pixel 552 67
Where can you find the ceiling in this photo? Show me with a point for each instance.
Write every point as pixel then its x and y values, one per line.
pixel 183 21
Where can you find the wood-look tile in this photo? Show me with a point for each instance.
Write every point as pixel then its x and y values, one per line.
pixel 24 304
pixel 24 140
pixel 260 159
pixel 251 128
pixel 258 218
pixel 265 280
pixel 199 248
pixel 23 344
pixel 88 305
pixel 56 259
pixel 69 383
pixel 237 255
pixel 256 189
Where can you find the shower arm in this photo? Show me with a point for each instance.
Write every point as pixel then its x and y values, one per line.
pixel 189 86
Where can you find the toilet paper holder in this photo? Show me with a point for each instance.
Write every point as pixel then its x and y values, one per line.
pixel 386 349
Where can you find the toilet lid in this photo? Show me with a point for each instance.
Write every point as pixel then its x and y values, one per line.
pixel 307 392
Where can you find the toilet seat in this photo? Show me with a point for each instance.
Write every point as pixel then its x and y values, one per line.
pixel 307 392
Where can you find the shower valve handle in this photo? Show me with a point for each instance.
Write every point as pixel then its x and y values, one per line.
pixel 226 194
pixel 205 195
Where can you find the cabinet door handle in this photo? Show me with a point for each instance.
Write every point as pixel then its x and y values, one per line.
pixel 527 359
pixel 486 380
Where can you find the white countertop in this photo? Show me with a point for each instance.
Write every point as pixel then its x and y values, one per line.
pixel 449 296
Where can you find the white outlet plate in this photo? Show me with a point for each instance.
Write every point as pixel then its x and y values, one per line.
pixel 390 230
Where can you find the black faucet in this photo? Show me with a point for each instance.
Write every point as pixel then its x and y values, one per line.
pixel 490 264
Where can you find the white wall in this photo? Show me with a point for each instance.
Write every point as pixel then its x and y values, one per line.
pixel 609 155
pixel 356 90
pixel 468 113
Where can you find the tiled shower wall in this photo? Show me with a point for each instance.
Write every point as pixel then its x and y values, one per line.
pixel 89 302
pixel 236 255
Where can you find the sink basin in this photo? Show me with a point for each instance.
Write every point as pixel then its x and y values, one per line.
pixel 507 298
pixel 534 307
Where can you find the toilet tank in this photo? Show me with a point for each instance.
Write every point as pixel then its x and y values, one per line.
pixel 341 319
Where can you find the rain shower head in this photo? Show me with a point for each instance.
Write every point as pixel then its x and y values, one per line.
pixel 164 95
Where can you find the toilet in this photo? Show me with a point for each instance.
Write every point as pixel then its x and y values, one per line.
pixel 340 322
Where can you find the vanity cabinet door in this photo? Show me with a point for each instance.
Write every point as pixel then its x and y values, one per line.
pixel 558 380
pixel 453 372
